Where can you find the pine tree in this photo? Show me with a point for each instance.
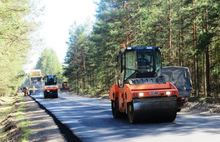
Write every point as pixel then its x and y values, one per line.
pixel 49 64
pixel 14 42
pixel 188 31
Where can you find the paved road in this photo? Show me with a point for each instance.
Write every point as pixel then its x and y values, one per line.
pixel 91 120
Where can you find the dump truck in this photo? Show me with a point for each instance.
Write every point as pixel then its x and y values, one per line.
pixel 141 91
pixel 180 77
pixel 35 79
pixel 50 87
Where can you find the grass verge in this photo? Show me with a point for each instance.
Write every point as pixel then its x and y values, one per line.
pixel 13 125
pixel 7 106
pixel 24 124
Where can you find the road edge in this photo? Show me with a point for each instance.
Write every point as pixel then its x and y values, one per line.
pixel 67 134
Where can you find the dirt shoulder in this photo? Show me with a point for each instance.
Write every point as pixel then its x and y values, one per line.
pixel 27 121
pixel 43 127
pixel 199 107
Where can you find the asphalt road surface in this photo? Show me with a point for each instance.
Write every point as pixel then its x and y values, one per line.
pixel 91 120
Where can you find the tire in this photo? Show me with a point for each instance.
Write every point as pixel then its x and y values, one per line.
pixel 115 110
pixel 45 94
pixel 56 94
pixel 130 112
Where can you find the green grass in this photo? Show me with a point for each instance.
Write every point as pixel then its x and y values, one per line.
pixel 24 124
pixel 6 108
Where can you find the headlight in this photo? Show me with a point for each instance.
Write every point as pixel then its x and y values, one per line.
pixel 168 93
pixel 141 94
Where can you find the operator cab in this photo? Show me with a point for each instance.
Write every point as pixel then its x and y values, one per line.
pixel 139 64
pixel 50 80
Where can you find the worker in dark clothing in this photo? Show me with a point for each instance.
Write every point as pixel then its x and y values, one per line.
pixel 25 90
pixel 143 62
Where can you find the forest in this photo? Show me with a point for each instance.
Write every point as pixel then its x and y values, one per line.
pixel 188 31
pixel 14 42
pixel 18 41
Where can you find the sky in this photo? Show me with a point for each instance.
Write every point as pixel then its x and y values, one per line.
pixel 59 15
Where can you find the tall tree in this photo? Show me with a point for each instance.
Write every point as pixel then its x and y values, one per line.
pixel 76 57
pixel 15 29
pixel 49 63
pixel 188 31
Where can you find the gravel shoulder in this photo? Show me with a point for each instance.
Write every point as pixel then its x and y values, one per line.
pixel 199 107
pixel 43 127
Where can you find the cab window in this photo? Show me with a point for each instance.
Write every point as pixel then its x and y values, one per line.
pixel 130 63
pixel 145 60
pixel 158 60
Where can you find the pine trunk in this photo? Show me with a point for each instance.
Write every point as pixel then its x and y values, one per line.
pixel 207 59
pixel 181 40
pixel 204 74
pixel 170 34
pixel 195 56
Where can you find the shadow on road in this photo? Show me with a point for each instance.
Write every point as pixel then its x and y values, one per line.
pixel 91 119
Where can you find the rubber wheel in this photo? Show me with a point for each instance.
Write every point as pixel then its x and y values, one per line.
pixel 56 94
pixel 114 109
pixel 131 116
pixel 45 94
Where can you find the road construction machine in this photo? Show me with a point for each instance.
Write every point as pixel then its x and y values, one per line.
pixel 50 88
pixel 64 87
pixel 35 80
pixel 141 91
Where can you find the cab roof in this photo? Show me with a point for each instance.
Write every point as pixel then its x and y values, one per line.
pixel 141 48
